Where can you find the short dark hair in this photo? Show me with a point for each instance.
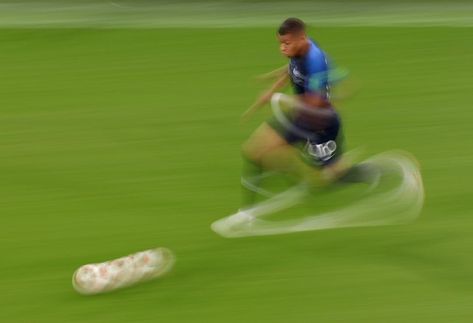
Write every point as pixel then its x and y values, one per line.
pixel 291 26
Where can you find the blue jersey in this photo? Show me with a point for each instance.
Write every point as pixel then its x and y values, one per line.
pixel 309 73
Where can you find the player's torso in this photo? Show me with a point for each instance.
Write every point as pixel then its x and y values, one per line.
pixel 298 74
pixel 322 133
pixel 307 70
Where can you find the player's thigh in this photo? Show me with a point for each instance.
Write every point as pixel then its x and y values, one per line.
pixel 264 139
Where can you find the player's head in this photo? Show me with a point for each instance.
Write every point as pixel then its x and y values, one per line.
pixel 292 37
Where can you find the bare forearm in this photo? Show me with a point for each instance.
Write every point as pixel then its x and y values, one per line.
pixel 263 99
pixel 277 73
pixel 280 83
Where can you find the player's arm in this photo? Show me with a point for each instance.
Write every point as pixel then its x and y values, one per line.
pixel 276 74
pixel 280 83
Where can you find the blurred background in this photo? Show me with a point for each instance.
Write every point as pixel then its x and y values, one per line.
pixel 120 131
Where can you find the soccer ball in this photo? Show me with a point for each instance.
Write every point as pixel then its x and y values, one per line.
pixel 122 272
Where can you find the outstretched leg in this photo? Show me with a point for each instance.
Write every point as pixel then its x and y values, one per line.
pixel 264 139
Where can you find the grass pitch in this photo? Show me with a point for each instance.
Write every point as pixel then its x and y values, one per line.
pixel 119 140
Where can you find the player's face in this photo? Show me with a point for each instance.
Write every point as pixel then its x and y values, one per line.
pixel 291 45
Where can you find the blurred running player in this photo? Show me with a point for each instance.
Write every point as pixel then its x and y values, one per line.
pixel 314 128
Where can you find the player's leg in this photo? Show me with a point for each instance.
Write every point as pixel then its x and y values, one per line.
pixel 287 159
pixel 361 173
pixel 269 149
pixel 263 139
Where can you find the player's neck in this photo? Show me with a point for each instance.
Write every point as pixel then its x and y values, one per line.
pixel 305 49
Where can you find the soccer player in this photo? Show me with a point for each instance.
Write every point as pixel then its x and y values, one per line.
pixel 312 127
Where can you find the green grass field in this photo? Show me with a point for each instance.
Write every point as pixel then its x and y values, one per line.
pixel 119 140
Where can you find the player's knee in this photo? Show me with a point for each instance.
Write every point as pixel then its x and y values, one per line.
pixel 249 152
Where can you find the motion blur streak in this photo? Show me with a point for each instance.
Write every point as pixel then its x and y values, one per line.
pixel 399 205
